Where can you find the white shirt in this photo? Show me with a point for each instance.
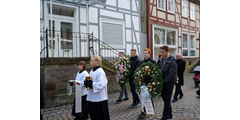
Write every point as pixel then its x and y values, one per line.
pixel 99 91
pixel 81 78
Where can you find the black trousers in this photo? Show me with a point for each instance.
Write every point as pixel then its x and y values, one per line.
pixel 98 110
pixel 178 91
pixel 84 113
pixel 166 96
pixel 133 91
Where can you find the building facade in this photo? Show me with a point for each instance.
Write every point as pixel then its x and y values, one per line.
pixel 116 23
pixel 175 23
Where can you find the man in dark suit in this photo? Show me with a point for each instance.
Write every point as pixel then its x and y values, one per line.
pixel 180 74
pixel 134 64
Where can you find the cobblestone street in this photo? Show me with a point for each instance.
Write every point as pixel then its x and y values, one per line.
pixel 187 108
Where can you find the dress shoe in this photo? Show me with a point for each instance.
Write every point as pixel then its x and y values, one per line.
pixel 180 97
pixel 174 100
pixel 118 100
pixel 125 99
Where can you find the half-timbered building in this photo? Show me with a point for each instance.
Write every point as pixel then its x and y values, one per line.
pixel 175 23
pixel 116 23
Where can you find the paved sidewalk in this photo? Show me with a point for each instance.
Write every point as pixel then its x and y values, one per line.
pixel 187 108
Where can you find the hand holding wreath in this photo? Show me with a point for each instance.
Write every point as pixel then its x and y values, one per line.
pixel 122 66
pixel 149 75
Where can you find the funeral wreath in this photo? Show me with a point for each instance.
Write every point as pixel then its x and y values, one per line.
pixel 149 75
pixel 122 66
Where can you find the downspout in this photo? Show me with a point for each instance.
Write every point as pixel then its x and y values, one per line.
pixel 147 22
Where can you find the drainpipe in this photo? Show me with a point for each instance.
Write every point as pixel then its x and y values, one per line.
pixel 51 26
pixel 87 14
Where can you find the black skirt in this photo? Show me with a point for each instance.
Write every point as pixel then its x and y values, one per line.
pixel 84 113
pixel 98 110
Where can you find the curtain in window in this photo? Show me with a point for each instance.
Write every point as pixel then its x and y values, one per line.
pixel 171 37
pixel 159 36
pixel 184 8
pixel 192 41
pixel 161 4
pixel 192 11
pixel 171 5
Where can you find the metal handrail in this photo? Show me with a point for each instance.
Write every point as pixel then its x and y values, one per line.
pixel 95 46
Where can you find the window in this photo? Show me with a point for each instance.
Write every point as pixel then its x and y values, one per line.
pixel 164 36
pixel 185 45
pixel 50 34
pixel 192 45
pixel 159 36
pixel 61 10
pixel 171 6
pixel 41 9
pixel 185 8
pixel 171 39
pixel 188 45
pixel 66 35
pixel 112 34
pixel 161 4
pixel 192 11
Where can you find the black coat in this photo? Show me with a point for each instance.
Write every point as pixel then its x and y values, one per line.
pixel 169 70
pixel 149 59
pixel 134 64
pixel 147 79
pixel 181 64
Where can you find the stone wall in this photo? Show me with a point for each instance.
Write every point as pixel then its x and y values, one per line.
pixel 55 74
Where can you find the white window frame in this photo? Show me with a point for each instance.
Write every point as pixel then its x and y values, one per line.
pixel 195 48
pixel 192 11
pixel 164 6
pixel 187 44
pixel 165 28
pixel 159 45
pixel 189 47
pixel 173 12
pixel 185 8
pixel 120 22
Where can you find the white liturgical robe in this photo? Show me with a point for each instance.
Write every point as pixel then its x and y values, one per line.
pixel 81 78
pixel 99 91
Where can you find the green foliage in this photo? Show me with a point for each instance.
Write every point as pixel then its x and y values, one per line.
pixel 122 67
pixel 156 83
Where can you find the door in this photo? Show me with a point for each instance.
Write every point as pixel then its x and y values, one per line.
pixel 63 38
pixel 64 20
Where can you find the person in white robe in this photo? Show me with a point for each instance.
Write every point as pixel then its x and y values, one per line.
pixel 97 93
pixel 80 78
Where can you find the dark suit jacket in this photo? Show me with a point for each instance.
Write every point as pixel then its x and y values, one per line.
pixel 181 64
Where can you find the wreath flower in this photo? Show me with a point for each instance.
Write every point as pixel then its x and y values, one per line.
pixel 122 67
pixel 149 75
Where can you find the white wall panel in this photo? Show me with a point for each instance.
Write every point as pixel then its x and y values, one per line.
pixel 111 2
pixel 124 4
pixel 135 22
pixel 111 14
pixel 93 15
pixel 83 29
pixel 134 7
pixel 128 20
pixel 94 29
pixel 137 37
pixel 83 15
pixel 128 35
pixel 129 47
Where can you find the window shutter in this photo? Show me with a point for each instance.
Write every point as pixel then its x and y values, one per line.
pixel 112 33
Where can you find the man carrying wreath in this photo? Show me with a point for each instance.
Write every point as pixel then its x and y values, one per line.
pixel 147 79
pixel 168 66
